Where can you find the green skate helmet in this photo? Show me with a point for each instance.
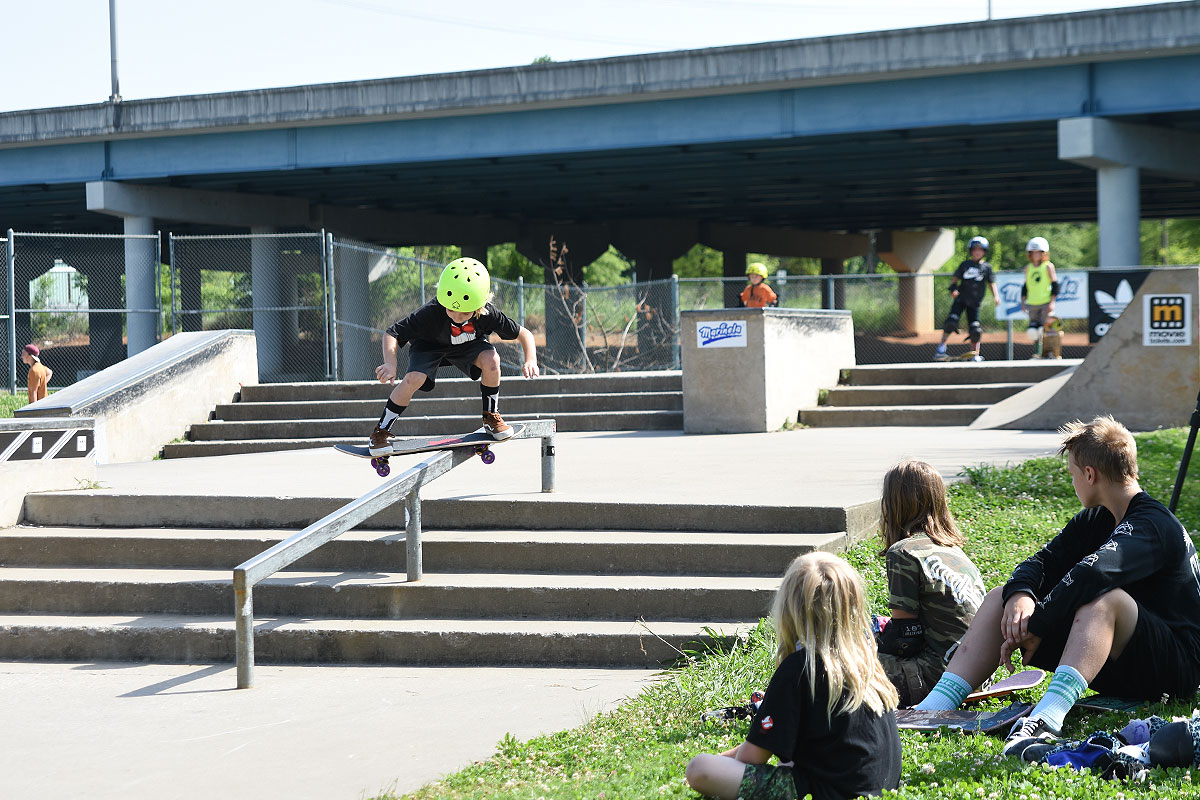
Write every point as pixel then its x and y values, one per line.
pixel 464 285
pixel 757 268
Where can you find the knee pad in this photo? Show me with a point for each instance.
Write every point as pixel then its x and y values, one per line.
pixel 1034 332
pixel 976 332
pixel 951 324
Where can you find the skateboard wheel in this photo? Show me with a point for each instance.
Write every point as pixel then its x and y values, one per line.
pixel 384 470
pixel 487 456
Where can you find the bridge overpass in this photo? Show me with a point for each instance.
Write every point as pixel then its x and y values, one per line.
pixel 794 148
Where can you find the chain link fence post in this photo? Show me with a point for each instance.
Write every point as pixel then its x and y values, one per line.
pixel 11 326
pixel 678 332
pixel 521 298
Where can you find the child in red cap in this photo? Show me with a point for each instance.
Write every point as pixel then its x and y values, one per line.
pixel 39 373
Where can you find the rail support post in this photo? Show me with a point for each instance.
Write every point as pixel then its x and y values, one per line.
pixel 548 463
pixel 412 535
pixel 243 610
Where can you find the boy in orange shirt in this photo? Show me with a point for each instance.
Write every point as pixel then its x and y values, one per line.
pixel 758 294
pixel 39 373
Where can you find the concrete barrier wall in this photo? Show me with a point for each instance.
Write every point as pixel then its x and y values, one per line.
pixel 151 398
pixel 1143 386
pixel 41 455
pixel 750 370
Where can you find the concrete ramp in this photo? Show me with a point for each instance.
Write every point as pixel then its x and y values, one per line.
pixel 1143 386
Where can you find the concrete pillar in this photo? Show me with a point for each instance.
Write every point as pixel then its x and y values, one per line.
pixel 141 284
pixel 105 345
pixel 1120 211
pixel 359 352
pixel 917 253
pixel 267 292
pixel 475 251
pixel 733 265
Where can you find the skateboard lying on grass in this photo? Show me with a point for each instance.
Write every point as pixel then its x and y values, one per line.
pixel 1108 703
pixel 962 720
pixel 1025 679
pixel 480 440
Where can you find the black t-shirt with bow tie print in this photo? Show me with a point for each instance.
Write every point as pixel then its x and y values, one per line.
pixel 433 329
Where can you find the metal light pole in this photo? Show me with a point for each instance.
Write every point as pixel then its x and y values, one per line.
pixel 989 13
pixel 112 46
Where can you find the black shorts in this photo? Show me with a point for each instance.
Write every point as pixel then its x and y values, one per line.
pixel 956 310
pixel 1154 663
pixel 428 360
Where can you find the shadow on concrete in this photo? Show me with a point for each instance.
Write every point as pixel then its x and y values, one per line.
pixel 170 683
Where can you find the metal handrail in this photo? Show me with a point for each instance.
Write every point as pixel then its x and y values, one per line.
pixel 406 486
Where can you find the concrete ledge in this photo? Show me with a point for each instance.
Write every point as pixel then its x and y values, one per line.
pixel 39 455
pixel 750 370
pixel 149 399
pixel 109 509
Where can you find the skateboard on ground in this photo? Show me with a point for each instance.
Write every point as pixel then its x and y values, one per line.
pixel 967 356
pixel 1108 703
pixel 960 720
pixel 735 712
pixel 1026 679
pixel 480 440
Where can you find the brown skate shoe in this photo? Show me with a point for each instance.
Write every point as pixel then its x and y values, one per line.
pixel 496 426
pixel 379 442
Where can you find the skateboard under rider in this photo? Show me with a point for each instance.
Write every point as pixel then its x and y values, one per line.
pixel 481 441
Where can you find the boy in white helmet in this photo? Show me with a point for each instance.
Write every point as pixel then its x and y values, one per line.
pixel 452 328
pixel 967 287
pixel 1039 291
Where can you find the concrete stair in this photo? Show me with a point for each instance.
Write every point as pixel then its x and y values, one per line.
pixel 525 593
pixel 287 416
pixel 952 393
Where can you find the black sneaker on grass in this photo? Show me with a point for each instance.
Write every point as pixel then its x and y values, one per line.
pixel 1026 733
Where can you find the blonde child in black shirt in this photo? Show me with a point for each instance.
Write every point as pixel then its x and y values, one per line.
pixel 829 712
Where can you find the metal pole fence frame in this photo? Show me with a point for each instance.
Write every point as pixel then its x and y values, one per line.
pixel 11 261
pixel 331 308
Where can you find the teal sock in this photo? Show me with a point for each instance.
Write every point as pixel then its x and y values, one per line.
pixel 947 695
pixel 1065 688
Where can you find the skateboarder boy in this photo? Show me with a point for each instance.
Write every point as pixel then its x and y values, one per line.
pixel 967 287
pixel 39 373
pixel 934 589
pixel 1112 602
pixel 1039 291
pixel 829 712
pixel 452 328
pixel 758 294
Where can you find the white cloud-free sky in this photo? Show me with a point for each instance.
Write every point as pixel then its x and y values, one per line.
pixel 55 52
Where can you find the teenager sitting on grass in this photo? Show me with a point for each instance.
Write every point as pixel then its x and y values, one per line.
pixel 934 589
pixel 829 713
pixel 1112 602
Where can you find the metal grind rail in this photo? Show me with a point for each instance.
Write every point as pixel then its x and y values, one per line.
pixel 406 487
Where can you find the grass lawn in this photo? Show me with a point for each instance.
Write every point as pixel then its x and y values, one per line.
pixel 640 749
pixel 9 403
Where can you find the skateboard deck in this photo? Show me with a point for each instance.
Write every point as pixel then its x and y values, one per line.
pixel 967 356
pixel 735 712
pixel 965 721
pixel 1026 679
pixel 1104 702
pixel 480 440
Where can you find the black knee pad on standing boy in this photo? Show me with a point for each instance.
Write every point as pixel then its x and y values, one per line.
pixel 951 324
pixel 976 332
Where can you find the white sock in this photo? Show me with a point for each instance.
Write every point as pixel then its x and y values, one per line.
pixel 1065 688
pixel 946 695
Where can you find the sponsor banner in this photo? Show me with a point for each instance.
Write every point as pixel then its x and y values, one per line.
pixel 39 445
pixel 1109 291
pixel 727 333
pixel 1166 320
pixel 1071 303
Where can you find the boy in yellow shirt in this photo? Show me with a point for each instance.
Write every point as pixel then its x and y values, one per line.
pixel 1039 291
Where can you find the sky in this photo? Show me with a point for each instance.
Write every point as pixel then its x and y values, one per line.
pixel 56 52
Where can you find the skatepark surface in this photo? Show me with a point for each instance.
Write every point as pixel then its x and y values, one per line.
pixel 152 730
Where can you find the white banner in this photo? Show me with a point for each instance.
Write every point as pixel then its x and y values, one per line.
pixel 731 333
pixel 1071 303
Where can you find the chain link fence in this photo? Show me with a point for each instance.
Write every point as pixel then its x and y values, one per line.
pixel 85 300
pixel 320 305
pixel 274 283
